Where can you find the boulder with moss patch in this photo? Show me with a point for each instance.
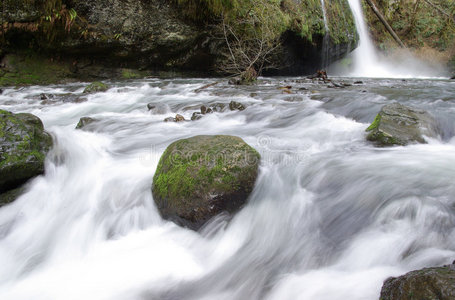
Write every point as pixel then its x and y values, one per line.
pixel 96 87
pixel 199 177
pixel 397 124
pixel 428 283
pixel 24 145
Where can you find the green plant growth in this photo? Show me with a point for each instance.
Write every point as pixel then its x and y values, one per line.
pixel 417 23
pixel 341 22
pixel 26 69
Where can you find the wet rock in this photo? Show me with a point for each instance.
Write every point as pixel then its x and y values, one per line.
pixel 235 81
pixel 199 177
pixel 204 109
pixel 1 91
pixel 11 195
pixel 178 118
pixel 218 107
pixel 358 82
pixel 157 108
pixel 233 105
pixel 23 144
pixel 252 95
pixel 44 96
pixel 84 122
pixel 453 77
pixel 397 124
pixel 337 85
pixel 196 116
pixel 429 283
pixel 96 87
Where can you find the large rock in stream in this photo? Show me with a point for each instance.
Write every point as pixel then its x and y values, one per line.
pixel 397 124
pixel 429 284
pixel 23 144
pixel 202 176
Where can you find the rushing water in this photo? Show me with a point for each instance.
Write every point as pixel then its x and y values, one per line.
pixel 330 217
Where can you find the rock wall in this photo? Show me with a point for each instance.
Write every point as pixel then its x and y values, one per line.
pixel 156 35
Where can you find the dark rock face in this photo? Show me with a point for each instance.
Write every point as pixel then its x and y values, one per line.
pixel 141 34
pixel 24 145
pixel 430 283
pixel 116 38
pixel 397 124
pixel 200 177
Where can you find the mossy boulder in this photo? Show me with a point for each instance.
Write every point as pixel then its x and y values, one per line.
pixel 397 124
pixel 96 87
pixel 23 144
pixel 202 176
pixel 429 283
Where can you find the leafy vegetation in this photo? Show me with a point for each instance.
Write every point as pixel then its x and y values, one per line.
pixel 417 23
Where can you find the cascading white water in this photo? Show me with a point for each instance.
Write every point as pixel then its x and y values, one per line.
pixel 330 217
pixel 367 63
pixel 326 38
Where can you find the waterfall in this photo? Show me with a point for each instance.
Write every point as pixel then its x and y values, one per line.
pixel 365 59
pixel 326 39
pixel 367 63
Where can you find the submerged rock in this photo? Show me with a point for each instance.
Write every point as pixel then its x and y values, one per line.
pixel 233 105
pixel 11 195
pixel 429 283
pixel 84 121
pixel 196 116
pixel 397 124
pixel 23 144
pixel 202 176
pixel 96 87
pixel 178 118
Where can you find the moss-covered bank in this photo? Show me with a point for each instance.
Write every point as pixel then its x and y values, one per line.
pixel 128 39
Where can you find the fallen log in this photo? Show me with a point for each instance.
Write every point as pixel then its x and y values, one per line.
pixel 384 22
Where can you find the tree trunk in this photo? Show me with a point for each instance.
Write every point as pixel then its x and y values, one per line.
pixel 384 22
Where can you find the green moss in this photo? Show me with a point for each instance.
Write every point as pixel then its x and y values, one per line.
pixel 95 87
pixel 341 22
pixel 375 124
pixel 182 172
pixel 23 69
pixel 131 74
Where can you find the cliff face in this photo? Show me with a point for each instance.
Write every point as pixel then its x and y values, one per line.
pixel 99 35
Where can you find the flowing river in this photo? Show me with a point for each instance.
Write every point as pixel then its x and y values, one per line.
pixel 331 216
